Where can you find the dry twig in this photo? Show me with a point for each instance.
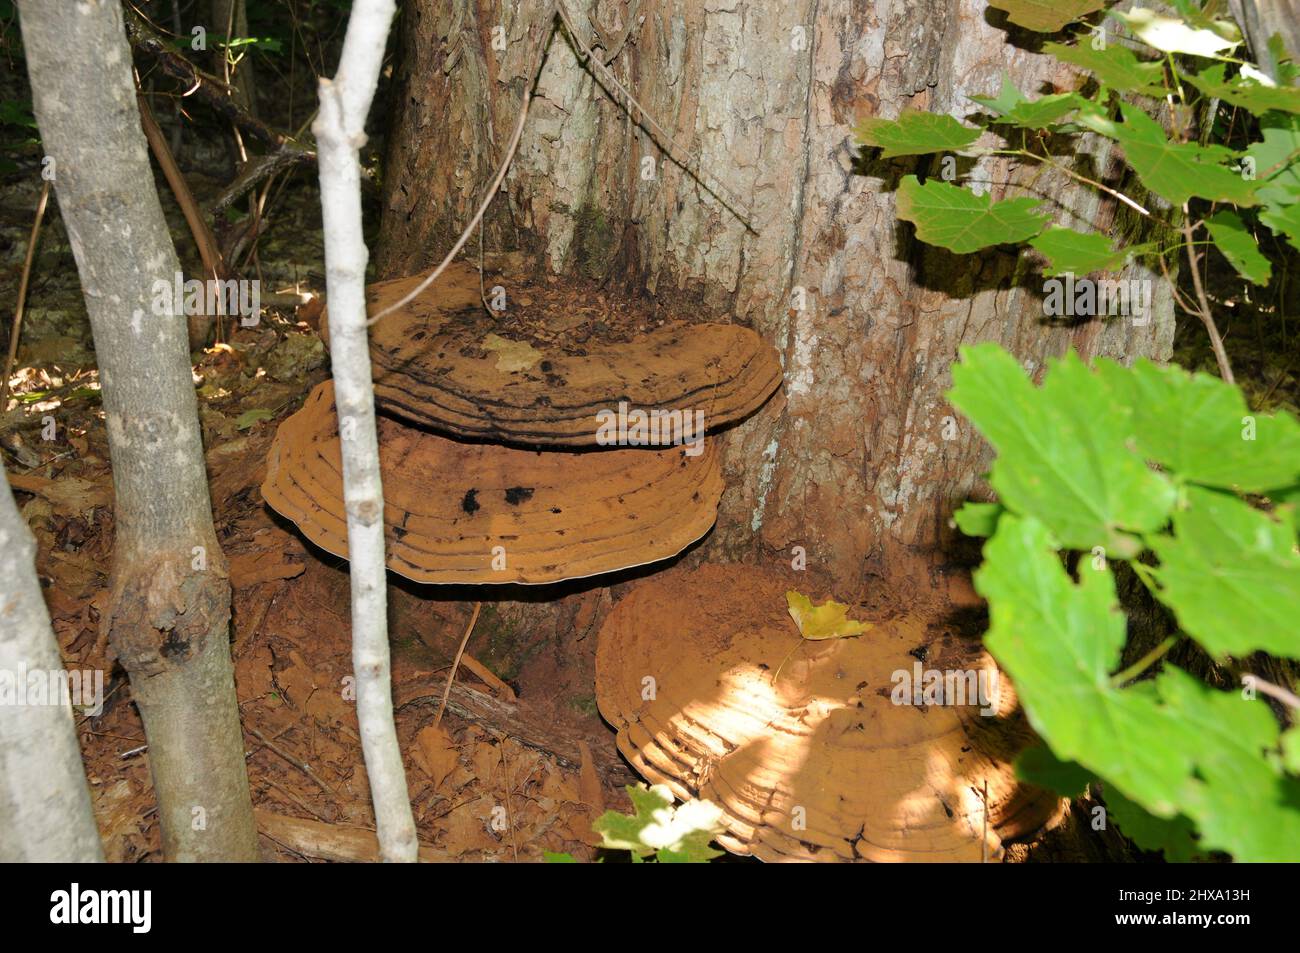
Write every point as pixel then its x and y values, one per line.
pixel 451 676
pixel 22 293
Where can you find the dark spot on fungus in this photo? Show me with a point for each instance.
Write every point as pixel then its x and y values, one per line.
pixel 919 653
pixel 470 503
pixel 546 367
pixel 174 645
pixel 518 494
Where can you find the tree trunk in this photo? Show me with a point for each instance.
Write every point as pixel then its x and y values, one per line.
pixel 169 611
pixel 863 460
pixel 1261 21
pixel 45 813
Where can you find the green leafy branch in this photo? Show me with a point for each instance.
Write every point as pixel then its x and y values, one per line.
pixel 1148 464
pixel 1184 61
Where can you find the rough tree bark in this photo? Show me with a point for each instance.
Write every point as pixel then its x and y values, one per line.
pixel 340 134
pixel 45 813
pixel 169 610
pixel 860 463
pixel 1260 21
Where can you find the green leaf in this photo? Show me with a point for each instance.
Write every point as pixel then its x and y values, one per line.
pixel 1177 171
pixel 1199 428
pixel 14 112
pixel 1114 66
pixel 656 826
pixel 1060 642
pixel 1238 245
pixel 978 519
pixel 1251 95
pixel 1232 576
pixel 1171 744
pixel 915 133
pixel 666 856
pixel 1062 450
pixel 1008 97
pixel 1013 108
pixel 1071 251
pixel 1039 766
pixel 1290 745
pixel 1046 16
pixel 1175 837
pixel 1043 112
pixel 827 621
pixel 1287 70
pixel 1238 798
pixel 1275 162
pixel 1285 220
pixel 961 221
pixel 1173 35
pixel 250 417
pixel 551 857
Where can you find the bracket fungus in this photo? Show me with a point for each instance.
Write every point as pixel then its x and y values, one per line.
pixel 442 362
pixel 810 748
pixel 461 512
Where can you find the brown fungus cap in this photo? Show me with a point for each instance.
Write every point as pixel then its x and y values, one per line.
pixel 448 505
pixel 440 362
pixel 822 764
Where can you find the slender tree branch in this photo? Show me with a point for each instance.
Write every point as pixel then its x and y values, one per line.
pixel 1144 663
pixel 340 133
pixel 1179 298
pixel 16 331
pixel 1283 695
pixel 213 263
pixel 255 170
pixel 1203 310
pixel 196 82
pixel 455 664
pixel 693 168
pixel 487 199
pixel 1115 193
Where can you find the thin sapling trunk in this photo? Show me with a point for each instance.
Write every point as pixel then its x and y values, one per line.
pixel 169 603
pixel 340 133
pixel 45 813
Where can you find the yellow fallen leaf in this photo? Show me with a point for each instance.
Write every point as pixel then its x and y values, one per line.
pixel 512 355
pixel 826 621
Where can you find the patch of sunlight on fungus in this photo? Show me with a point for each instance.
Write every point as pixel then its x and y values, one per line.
pixel 823 764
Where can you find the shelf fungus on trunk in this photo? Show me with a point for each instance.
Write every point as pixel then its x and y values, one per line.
pixel 462 512
pixel 881 747
pixel 444 362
